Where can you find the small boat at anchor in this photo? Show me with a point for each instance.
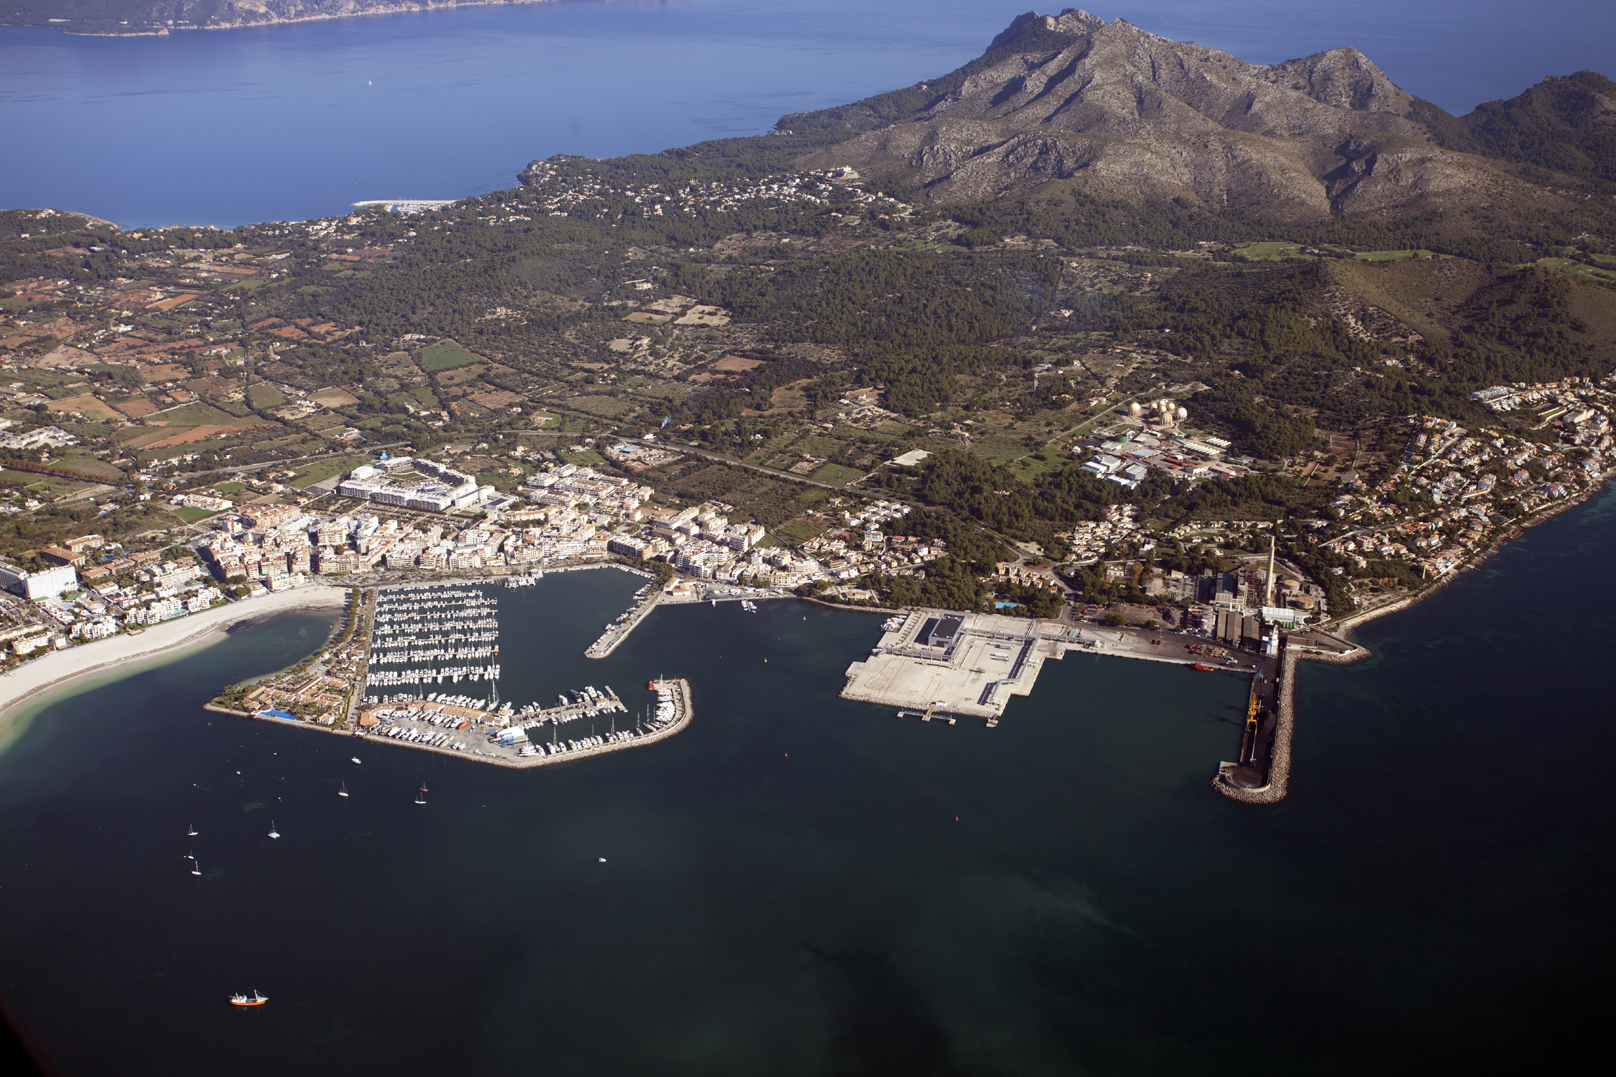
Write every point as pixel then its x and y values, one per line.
pixel 190 830
pixel 254 999
pixel 273 833
pixel 343 791
pixel 354 761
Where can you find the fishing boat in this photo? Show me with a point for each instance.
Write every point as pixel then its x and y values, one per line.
pixel 1204 668
pixel 273 833
pixel 343 791
pixel 254 999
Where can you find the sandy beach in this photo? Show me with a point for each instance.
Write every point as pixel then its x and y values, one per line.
pixel 59 667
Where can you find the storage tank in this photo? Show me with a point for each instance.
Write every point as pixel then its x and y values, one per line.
pixel 1134 409
pixel 1181 414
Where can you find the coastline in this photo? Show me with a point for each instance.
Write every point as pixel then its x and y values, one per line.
pixel 1517 528
pixel 1278 785
pixel 389 9
pixel 57 669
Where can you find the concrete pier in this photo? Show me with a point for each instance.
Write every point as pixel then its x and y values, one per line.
pixel 617 633
pixel 971 664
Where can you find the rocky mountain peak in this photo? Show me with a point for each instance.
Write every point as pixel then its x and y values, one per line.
pixel 1126 113
pixel 1071 21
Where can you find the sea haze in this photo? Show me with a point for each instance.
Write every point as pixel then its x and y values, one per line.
pixel 296 121
pixel 798 885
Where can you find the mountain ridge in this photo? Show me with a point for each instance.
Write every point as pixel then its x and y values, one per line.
pixel 1071 99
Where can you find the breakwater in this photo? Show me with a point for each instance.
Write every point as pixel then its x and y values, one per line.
pixel 1279 766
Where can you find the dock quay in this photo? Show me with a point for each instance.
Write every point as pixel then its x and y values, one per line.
pixel 933 663
pixel 619 630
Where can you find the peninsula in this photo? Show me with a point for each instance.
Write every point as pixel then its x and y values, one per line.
pixel 143 17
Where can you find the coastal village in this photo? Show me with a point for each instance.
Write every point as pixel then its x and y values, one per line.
pixel 1453 493
pixel 173 445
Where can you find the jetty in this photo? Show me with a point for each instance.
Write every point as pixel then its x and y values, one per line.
pixel 618 631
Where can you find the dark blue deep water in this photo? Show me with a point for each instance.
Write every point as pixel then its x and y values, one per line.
pixel 799 885
pixel 296 121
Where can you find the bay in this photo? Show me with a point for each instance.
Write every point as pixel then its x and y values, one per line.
pixel 796 884
pixel 300 120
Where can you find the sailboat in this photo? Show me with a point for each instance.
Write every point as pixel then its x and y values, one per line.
pixel 273 833
pixel 255 999
pixel 420 798
pixel 343 791
pixel 190 830
pixel 196 868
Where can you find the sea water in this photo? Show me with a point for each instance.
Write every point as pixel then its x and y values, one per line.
pixel 300 120
pixel 798 885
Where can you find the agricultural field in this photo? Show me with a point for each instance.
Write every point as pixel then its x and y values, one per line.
pixel 835 473
pixel 320 470
pixel 267 396
pixel 445 355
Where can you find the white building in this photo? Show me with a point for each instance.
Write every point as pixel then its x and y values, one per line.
pixel 46 583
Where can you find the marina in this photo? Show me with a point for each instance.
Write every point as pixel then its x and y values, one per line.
pixel 647 598
pixel 428 672
pixel 426 623
pixel 519 738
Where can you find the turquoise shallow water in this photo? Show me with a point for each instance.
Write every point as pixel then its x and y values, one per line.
pixel 800 885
